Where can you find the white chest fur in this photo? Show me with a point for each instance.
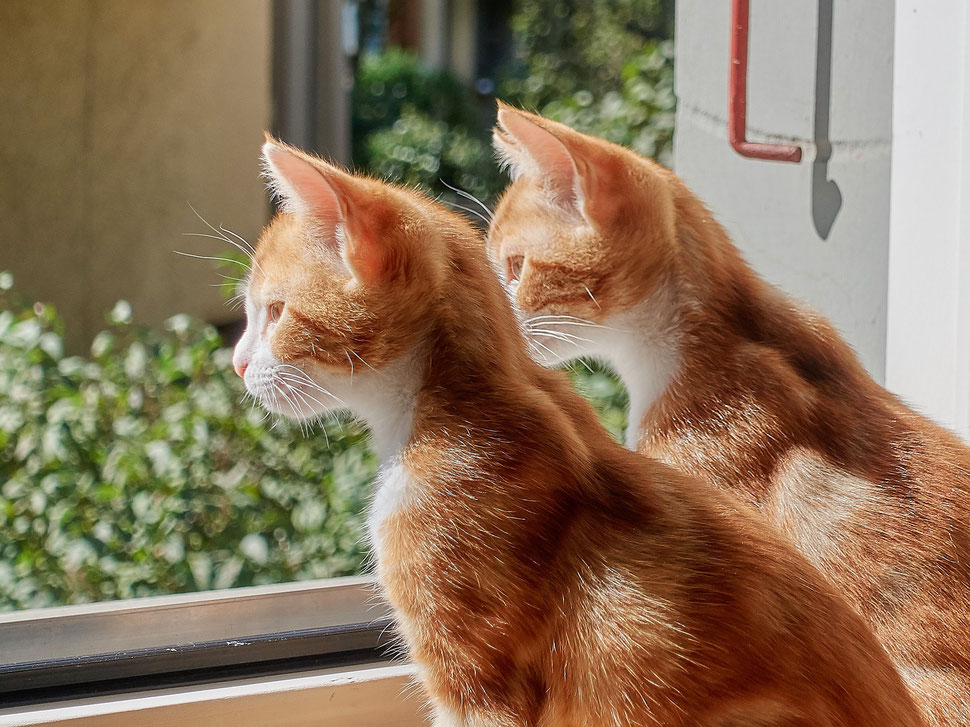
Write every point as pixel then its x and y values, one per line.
pixel 643 347
pixel 394 490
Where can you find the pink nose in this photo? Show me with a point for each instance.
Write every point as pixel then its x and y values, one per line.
pixel 240 369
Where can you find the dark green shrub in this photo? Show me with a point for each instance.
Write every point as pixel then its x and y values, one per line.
pixel 140 470
pixel 389 82
pixel 640 115
pixel 417 150
pixel 420 126
pixel 603 68
pixel 565 46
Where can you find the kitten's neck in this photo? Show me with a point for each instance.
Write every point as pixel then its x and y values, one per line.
pixel 471 350
pixel 670 333
pixel 644 347
pixel 386 401
pixel 429 382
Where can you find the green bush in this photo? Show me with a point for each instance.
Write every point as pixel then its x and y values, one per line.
pixel 603 68
pixel 140 470
pixel 388 82
pixel 420 126
pixel 565 46
pixel 601 387
pixel 419 151
pixel 640 115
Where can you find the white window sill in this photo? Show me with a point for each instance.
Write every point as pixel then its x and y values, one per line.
pixel 360 697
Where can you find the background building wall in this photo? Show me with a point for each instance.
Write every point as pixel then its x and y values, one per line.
pixel 820 75
pixel 118 115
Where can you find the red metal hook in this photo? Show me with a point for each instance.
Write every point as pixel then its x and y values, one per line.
pixel 738 101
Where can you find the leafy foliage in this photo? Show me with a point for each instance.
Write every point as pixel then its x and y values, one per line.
pixel 417 125
pixel 389 82
pixel 419 151
pixel 640 115
pixel 600 386
pixel 565 46
pixel 604 68
pixel 139 470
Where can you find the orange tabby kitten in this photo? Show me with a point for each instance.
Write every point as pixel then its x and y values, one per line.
pixel 606 253
pixel 540 573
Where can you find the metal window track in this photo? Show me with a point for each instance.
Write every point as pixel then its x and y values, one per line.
pixel 52 654
pixel 193 663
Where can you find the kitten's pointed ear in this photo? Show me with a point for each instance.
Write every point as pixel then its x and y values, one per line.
pixel 531 150
pixel 345 214
pixel 298 183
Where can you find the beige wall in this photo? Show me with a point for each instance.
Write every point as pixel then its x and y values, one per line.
pixel 114 116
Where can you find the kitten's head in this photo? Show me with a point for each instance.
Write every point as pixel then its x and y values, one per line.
pixel 584 230
pixel 340 283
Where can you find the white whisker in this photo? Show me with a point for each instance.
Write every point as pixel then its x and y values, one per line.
pixel 296 374
pixel 231 278
pixel 303 397
pixel 219 235
pixel 239 237
pixel 294 406
pixel 351 366
pixel 249 253
pixel 566 320
pixel 561 335
pixel 533 347
pixel 564 340
pixel 364 362
pixel 290 381
pixel 546 348
pixel 236 245
pixel 230 261
pixel 469 196
pixel 586 365
pixel 479 215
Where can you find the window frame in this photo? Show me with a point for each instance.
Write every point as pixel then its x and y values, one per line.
pixel 118 647
pixel 365 696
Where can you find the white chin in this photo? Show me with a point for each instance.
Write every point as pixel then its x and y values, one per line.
pixel 290 402
pixel 286 409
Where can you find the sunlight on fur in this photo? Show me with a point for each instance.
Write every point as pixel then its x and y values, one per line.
pixel 540 573
pixel 733 382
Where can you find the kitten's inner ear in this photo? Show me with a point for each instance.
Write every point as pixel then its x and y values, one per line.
pixel 532 151
pixel 301 187
pixel 333 202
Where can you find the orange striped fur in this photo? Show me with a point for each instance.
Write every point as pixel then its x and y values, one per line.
pixel 540 573
pixel 733 382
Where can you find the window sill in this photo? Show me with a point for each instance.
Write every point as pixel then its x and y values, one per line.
pixel 176 641
pixel 360 697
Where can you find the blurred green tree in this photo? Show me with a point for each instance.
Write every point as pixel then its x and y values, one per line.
pixel 140 470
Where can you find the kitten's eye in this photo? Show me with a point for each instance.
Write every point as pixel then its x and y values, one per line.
pixel 515 267
pixel 274 311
